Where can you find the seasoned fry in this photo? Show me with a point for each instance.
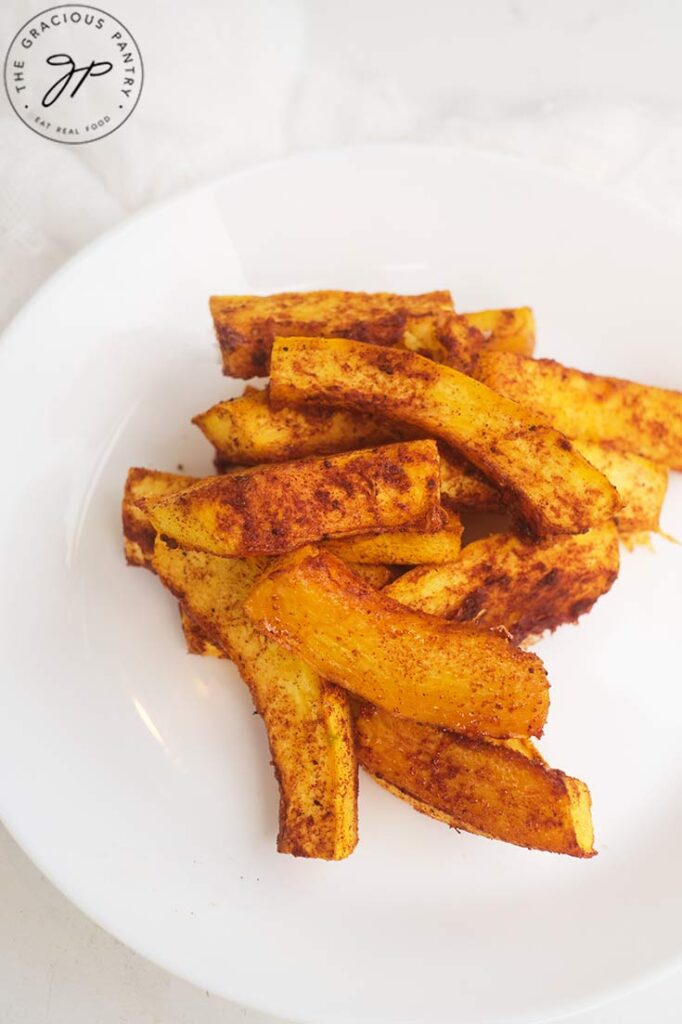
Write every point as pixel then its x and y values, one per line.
pixel 308 720
pixel 536 468
pixel 506 330
pixel 138 533
pixel 245 325
pixel 386 416
pixel 139 536
pixel 272 509
pixel 641 485
pixel 404 547
pixel 629 417
pixel 247 430
pixel 416 665
pixel 473 785
pixel 481 790
pixel 525 586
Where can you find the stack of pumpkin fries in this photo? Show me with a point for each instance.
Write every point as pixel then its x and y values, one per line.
pixel 325 557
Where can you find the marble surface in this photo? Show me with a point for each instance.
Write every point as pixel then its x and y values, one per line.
pixel 592 86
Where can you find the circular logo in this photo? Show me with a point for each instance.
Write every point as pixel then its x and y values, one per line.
pixel 73 74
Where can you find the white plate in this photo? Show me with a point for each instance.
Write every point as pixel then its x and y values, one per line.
pixel 137 777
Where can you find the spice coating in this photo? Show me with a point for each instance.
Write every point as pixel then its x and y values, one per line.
pixel 487 789
pixel 275 508
pixel 641 485
pixel 630 417
pixel 138 533
pixel 247 430
pixel 536 469
pixel 526 587
pixel 412 664
pixel 246 325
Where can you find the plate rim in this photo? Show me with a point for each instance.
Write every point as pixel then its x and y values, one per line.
pixel 543 170
pixel 666 966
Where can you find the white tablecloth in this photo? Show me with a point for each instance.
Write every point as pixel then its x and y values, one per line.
pixel 592 86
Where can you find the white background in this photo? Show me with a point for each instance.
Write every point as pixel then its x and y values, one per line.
pixel 590 85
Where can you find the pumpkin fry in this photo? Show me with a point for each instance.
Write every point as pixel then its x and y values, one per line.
pixel 554 488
